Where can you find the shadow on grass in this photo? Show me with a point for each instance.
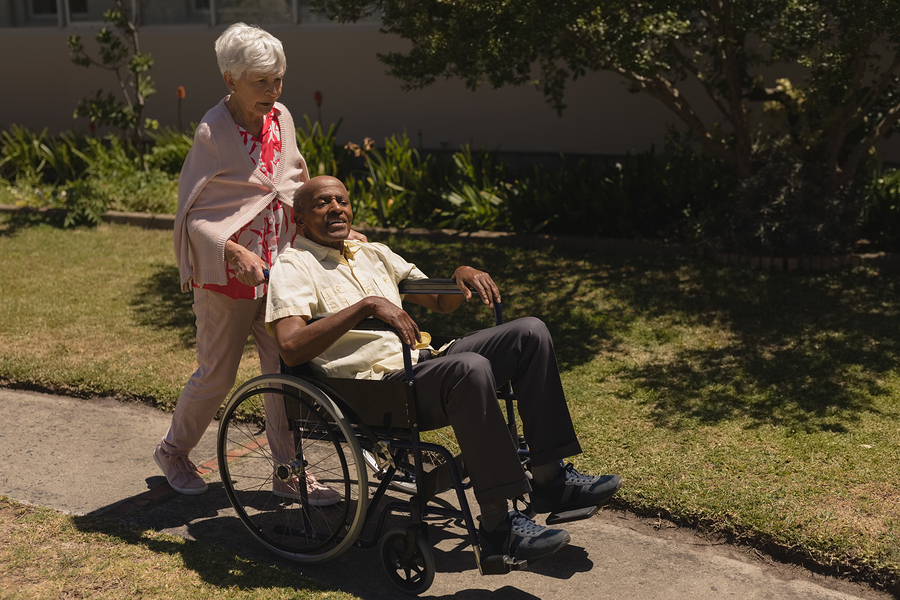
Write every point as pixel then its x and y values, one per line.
pixel 800 351
pixel 216 564
pixel 12 223
pixel 568 295
pixel 159 302
pixel 805 352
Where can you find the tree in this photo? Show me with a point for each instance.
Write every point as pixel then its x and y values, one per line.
pixel 817 79
pixel 120 53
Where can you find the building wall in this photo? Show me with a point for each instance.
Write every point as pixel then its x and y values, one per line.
pixel 602 117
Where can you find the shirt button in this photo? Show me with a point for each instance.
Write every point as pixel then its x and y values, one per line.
pixel 338 288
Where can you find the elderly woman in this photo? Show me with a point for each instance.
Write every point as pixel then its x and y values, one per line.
pixel 234 203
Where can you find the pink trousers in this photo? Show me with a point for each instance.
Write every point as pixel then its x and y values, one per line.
pixel 223 326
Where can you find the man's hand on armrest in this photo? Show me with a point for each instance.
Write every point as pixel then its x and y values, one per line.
pixel 299 342
pixel 465 278
pixel 468 277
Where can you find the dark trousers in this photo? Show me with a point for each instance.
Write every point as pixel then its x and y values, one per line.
pixel 459 388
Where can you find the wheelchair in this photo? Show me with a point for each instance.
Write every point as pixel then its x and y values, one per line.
pixel 346 431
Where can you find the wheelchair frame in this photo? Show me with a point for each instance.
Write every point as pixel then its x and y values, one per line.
pixel 331 423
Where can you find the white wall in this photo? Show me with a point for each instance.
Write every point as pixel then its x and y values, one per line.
pixel 43 88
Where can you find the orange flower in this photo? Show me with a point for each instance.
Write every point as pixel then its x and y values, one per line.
pixel 179 93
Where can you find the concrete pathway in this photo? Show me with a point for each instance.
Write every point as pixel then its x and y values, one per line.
pixel 94 457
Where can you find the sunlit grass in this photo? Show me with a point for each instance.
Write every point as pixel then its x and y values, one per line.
pixel 46 554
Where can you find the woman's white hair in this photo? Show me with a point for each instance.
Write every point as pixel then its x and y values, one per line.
pixel 246 48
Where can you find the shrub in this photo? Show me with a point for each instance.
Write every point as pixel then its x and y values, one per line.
pixel 783 209
pixel 881 229
pixel 170 148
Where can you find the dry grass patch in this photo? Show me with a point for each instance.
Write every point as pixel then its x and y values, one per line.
pixel 46 554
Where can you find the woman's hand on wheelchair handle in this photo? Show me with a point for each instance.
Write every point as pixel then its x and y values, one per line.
pixel 249 268
pixel 467 277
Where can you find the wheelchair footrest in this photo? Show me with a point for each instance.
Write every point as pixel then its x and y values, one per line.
pixel 572 515
pixel 501 564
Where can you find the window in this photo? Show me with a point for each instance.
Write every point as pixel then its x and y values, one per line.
pixel 255 11
pixel 210 13
pixel 49 7
pixel 43 7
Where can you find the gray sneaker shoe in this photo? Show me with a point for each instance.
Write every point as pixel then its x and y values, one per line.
pixel 571 490
pixel 521 538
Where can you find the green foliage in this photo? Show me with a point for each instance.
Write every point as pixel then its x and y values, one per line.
pixel 86 176
pixel 818 79
pixel 170 148
pixel 783 210
pixel 478 193
pixel 394 180
pixel 677 194
pixel 119 52
pixel 882 223
pixel 320 149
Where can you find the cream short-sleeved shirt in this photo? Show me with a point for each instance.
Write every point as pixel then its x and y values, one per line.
pixel 312 281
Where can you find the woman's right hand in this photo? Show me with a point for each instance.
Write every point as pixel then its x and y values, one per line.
pixel 248 267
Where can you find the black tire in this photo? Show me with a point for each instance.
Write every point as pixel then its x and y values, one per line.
pixel 321 440
pixel 413 576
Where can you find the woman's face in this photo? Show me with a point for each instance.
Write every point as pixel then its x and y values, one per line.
pixel 254 94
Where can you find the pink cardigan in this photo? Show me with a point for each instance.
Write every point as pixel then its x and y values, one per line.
pixel 221 190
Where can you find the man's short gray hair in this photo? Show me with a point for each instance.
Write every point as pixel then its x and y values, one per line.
pixel 246 48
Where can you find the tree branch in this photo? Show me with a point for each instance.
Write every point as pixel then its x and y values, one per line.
pixel 874 94
pixel 731 53
pixel 663 90
pixel 862 147
pixel 698 75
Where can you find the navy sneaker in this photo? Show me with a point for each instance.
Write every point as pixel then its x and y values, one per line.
pixel 521 538
pixel 571 490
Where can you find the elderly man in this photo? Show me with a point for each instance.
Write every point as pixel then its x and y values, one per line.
pixel 326 275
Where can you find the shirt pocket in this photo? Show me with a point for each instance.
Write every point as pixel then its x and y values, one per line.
pixel 385 287
pixel 334 298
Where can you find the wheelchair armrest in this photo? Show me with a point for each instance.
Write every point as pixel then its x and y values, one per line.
pixel 442 286
pixel 430 286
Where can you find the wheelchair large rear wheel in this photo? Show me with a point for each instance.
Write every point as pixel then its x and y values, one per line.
pixel 266 449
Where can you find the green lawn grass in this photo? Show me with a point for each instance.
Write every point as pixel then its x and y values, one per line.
pixel 761 405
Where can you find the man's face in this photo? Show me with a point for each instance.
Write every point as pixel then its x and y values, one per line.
pixel 325 214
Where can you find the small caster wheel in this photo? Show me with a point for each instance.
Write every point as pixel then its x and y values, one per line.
pixel 410 569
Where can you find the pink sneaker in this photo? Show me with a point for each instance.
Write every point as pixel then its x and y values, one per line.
pixel 181 473
pixel 317 493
